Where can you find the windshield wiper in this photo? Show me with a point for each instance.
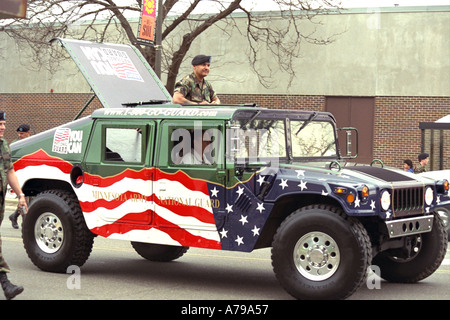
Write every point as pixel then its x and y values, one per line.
pixel 141 103
pixel 251 119
pixel 311 118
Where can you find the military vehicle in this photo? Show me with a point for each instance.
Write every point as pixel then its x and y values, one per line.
pixel 168 177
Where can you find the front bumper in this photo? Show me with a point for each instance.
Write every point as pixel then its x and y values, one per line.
pixel 409 226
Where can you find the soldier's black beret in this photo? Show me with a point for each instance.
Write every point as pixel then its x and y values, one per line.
pixel 200 59
pixel 2 115
pixel 423 156
pixel 23 128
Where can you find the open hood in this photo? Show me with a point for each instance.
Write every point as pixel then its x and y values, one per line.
pixel 117 73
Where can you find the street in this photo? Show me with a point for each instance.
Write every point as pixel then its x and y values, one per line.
pixel 114 271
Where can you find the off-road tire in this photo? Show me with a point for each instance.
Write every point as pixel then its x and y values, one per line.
pixel 345 268
pixel 55 216
pixel 158 252
pixel 431 252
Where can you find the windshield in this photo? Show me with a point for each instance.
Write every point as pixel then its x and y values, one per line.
pixel 265 139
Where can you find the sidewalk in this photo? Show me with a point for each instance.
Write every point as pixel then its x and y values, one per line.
pixel 11 204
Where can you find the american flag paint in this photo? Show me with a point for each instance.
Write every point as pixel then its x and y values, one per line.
pixel 173 208
pixel 132 205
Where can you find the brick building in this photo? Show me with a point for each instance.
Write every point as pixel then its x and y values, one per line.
pixel 386 72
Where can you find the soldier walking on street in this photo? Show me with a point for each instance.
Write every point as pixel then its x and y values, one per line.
pixel 8 176
pixel 23 131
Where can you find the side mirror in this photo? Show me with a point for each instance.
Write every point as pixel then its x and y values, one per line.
pixel 350 152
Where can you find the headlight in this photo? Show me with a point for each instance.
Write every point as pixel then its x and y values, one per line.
pixel 365 192
pixel 429 196
pixel 385 200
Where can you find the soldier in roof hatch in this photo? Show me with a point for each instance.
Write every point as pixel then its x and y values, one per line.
pixel 8 177
pixel 194 88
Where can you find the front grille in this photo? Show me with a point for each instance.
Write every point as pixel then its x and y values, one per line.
pixel 408 201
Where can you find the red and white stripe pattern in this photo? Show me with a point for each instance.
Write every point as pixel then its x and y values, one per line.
pixel 147 205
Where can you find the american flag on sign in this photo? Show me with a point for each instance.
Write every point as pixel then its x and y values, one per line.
pixel 61 140
pixel 126 70
pixel 122 64
pixel 62 134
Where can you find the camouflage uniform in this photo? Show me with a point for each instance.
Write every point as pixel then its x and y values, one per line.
pixel 192 89
pixel 5 165
pixel 419 169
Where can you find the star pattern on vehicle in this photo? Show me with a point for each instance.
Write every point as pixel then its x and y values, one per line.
pixel 260 207
pixel 240 191
pixel 260 180
pixel 255 231
pixel 240 215
pixel 239 240
pixel 302 185
pixel 357 202
pixel 244 212
pixel 283 183
pixel 214 192
pixel 300 173
pixel 243 219
pixel 224 233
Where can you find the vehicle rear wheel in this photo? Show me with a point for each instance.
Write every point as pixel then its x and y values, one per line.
pixel 158 252
pixel 320 253
pixel 424 255
pixel 54 233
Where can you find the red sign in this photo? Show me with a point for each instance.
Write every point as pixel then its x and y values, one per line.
pixel 147 23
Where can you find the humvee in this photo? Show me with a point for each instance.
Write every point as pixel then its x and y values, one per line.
pixel 168 177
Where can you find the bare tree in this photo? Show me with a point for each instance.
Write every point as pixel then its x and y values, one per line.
pixel 94 19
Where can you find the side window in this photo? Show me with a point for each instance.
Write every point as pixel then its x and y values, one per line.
pixel 260 139
pixel 123 144
pixel 189 145
pixel 316 139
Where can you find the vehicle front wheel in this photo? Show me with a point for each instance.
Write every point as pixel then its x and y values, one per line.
pixel 54 233
pixel 320 253
pixel 422 258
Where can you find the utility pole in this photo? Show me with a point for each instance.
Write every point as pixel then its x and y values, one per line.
pixel 158 40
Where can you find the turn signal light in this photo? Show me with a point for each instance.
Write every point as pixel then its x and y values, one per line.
pixel 350 198
pixel 340 190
